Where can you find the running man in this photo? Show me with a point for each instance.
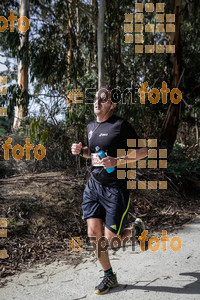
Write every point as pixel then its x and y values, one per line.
pixel 106 198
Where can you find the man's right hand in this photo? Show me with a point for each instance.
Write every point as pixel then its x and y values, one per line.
pixel 76 148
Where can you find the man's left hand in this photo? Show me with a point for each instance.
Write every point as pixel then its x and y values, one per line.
pixel 109 162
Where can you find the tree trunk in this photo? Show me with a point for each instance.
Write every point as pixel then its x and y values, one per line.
pixel 22 73
pixel 118 41
pixel 78 26
pixel 94 33
pixel 196 129
pixel 172 119
pixel 100 35
pixel 70 51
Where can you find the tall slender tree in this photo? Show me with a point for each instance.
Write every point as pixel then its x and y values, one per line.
pixel 21 110
pixel 100 45
pixel 172 119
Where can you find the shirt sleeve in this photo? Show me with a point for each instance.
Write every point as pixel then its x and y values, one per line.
pixel 127 132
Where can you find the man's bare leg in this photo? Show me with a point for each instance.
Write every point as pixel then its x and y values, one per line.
pixel 95 229
pixel 128 233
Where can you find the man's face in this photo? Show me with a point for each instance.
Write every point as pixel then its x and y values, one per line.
pixel 103 103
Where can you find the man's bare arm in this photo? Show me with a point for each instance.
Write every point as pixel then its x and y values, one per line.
pixel 78 149
pixel 134 155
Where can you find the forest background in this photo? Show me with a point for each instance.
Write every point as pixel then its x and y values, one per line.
pixel 80 45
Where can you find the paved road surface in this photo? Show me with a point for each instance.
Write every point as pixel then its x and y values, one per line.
pixel 142 275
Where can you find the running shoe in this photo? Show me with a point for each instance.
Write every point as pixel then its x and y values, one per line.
pixel 108 282
pixel 139 227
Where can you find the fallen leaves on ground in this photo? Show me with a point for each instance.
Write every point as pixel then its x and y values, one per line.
pixel 44 213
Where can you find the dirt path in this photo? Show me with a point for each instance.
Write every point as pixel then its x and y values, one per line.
pixel 142 275
pixel 44 211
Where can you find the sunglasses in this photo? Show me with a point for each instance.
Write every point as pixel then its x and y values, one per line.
pixel 102 100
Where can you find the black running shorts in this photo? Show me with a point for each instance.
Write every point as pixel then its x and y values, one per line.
pixel 110 204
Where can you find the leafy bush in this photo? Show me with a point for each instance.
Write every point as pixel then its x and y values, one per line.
pixel 54 137
pixel 184 161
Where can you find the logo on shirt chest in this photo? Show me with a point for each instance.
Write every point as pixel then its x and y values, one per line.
pixel 103 134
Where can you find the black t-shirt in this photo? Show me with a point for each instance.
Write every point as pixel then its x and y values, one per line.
pixel 109 136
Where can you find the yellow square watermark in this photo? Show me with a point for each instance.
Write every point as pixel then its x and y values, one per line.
pixel 162 27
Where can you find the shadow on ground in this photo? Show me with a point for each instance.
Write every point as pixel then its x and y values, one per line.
pixel 191 288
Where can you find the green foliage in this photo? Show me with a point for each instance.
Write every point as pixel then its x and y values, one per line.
pixel 4 126
pixel 53 137
pixel 182 162
pixel 2 131
pixel 77 117
pixel 36 131
pixel 50 39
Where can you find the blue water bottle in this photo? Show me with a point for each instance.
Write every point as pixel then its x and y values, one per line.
pixel 101 154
